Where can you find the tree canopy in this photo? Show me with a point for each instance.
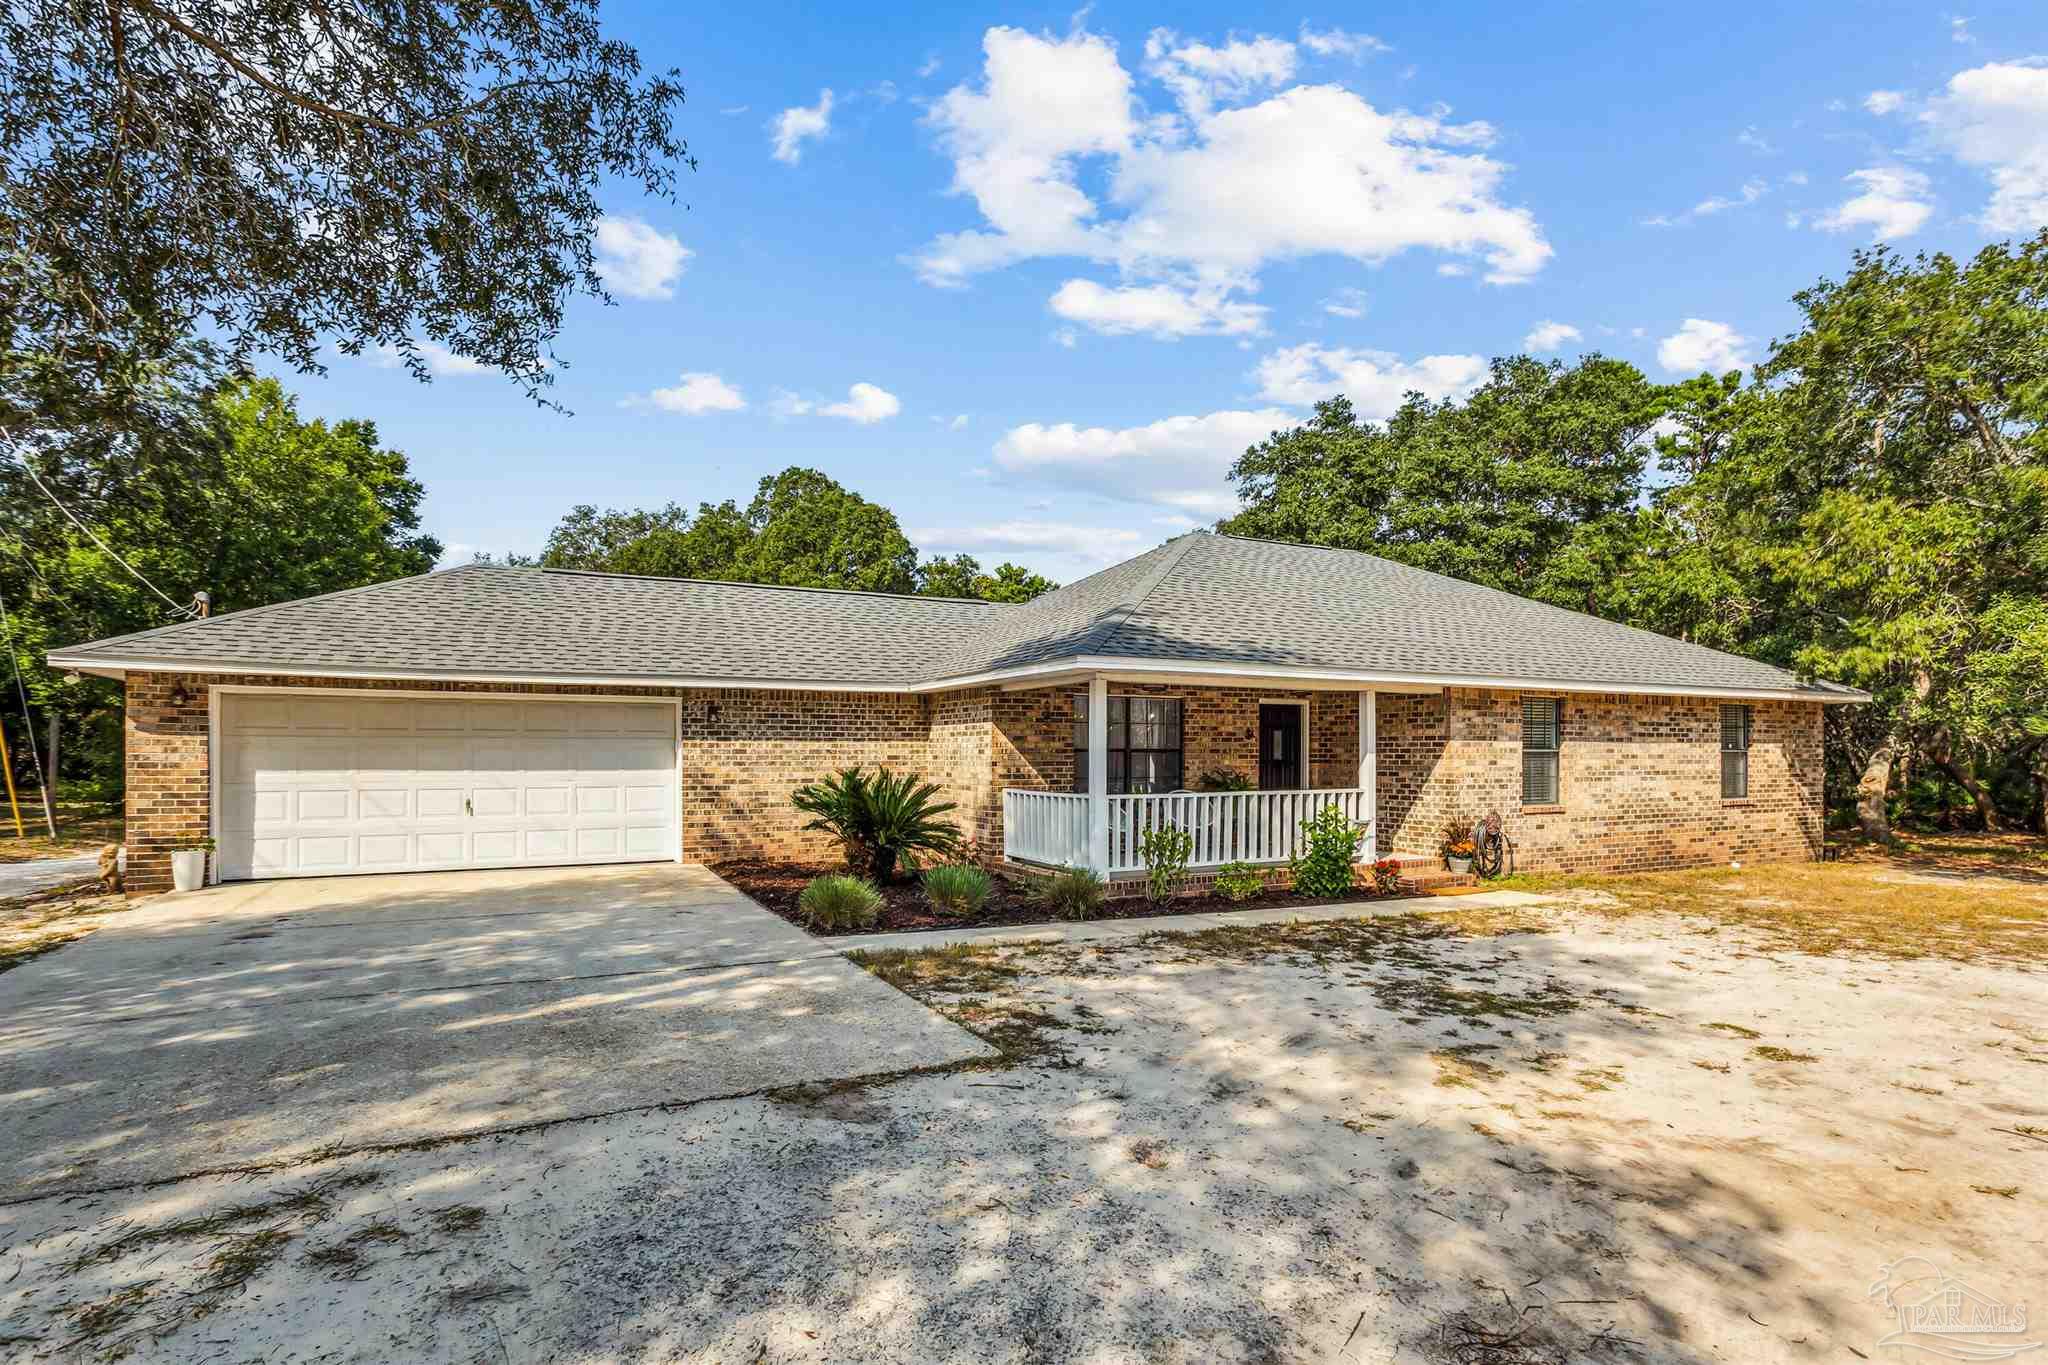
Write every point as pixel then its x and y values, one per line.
pixel 276 177
pixel 1869 506
pixel 802 529
pixel 247 502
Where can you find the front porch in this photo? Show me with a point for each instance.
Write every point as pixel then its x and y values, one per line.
pixel 1173 751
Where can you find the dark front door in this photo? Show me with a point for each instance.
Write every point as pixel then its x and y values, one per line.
pixel 1279 748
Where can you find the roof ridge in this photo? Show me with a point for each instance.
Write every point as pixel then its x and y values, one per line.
pixel 772 587
pixel 1522 600
pixel 201 622
pixel 1112 621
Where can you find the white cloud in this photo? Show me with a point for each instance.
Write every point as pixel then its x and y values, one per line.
pixel 1178 462
pixel 697 393
pixel 1062 548
pixel 732 109
pixel 865 404
pixel 1700 345
pixel 1995 117
pixel 1202 76
pixel 929 69
pixel 793 126
pixel 1346 303
pixel 1893 204
pixel 438 359
pixel 1218 191
pixel 1752 190
pixel 1549 336
pixel 1376 382
pixel 1959 30
pixel 1882 102
pixel 637 260
pixel 957 422
pixel 1158 310
pixel 1338 43
pixel 1749 137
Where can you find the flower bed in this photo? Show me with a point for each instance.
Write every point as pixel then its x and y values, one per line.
pixel 776 886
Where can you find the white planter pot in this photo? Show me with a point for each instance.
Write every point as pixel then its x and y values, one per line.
pixel 1460 864
pixel 188 869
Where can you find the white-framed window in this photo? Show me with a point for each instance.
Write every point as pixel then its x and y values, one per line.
pixel 1539 751
pixel 1145 745
pixel 1735 725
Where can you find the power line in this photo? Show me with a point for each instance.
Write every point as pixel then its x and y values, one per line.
pixel 27 718
pixel 30 470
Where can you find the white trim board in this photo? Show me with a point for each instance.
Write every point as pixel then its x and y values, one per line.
pixel 1189 672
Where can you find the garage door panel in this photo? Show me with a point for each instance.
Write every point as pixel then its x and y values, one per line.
pixel 331 784
pixel 322 804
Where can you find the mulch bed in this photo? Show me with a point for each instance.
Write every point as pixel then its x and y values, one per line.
pixel 777 885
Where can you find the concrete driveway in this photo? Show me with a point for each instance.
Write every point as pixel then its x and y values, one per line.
pixel 39 874
pixel 244 1025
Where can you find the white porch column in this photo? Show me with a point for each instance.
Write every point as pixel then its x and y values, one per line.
pixel 1369 765
pixel 1098 774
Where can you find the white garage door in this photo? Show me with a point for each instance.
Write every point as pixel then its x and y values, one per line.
pixel 314 785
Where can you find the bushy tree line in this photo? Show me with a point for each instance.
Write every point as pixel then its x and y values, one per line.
pixel 1868 505
pixel 801 530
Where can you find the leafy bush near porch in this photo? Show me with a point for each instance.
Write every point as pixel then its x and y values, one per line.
pixel 1223 780
pixel 835 903
pixel 1070 893
pixel 882 822
pixel 1329 847
pixel 1165 851
pixel 1386 876
pixel 1239 881
pixel 956 888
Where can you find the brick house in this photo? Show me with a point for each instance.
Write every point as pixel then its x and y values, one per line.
pixel 490 717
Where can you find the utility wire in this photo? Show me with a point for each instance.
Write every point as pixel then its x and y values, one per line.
pixel 27 718
pixel 30 470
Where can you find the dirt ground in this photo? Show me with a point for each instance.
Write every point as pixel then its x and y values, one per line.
pixel 82 827
pixel 1599 1130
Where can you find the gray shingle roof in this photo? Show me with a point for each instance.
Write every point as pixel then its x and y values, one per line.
pixel 1202 598
pixel 515 621
pixel 1222 599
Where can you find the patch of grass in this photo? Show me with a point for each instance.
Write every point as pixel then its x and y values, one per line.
pixel 247 1239
pixel 975 986
pixel 1968 899
pixel 1712 1066
pixel 1461 1065
pixel 2000 1191
pixel 1735 1031
pixel 457 1218
pixel 1594 1079
pixel 82 827
pixel 1780 1054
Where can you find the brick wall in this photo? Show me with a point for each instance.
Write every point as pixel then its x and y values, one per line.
pixel 1639 777
pixel 1639 780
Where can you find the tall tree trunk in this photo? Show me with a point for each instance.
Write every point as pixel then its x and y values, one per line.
pixel 1870 793
pixel 50 776
pixel 1944 758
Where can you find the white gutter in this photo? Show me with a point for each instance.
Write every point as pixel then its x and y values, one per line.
pixel 1051 672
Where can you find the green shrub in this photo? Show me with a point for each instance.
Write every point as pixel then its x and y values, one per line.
pixel 1166 851
pixel 1223 780
pixel 1329 847
pixel 835 903
pixel 1239 881
pixel 956 888
pixel 882 823
pixel 1070 893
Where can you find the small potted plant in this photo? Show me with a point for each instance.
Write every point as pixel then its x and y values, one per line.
pixel 1455 843
pixel 188 865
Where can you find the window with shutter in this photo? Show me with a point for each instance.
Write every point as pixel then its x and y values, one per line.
pixel 1539 751
pixel 1734 753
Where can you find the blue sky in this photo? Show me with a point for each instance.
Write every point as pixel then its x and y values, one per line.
pixel 1032 278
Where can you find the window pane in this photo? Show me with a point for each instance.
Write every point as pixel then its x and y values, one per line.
pixel 1734 729
pixel 1539 723
pixel 1171 711
pixel 1119 777
pixel 1119 716
pixel 1734 775
pixel 1081 722
pixel 1539 779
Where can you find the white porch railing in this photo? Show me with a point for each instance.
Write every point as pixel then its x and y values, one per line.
pixel 1228 827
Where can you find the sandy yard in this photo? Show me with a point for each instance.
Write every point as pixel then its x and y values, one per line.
pixel 1593 1131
